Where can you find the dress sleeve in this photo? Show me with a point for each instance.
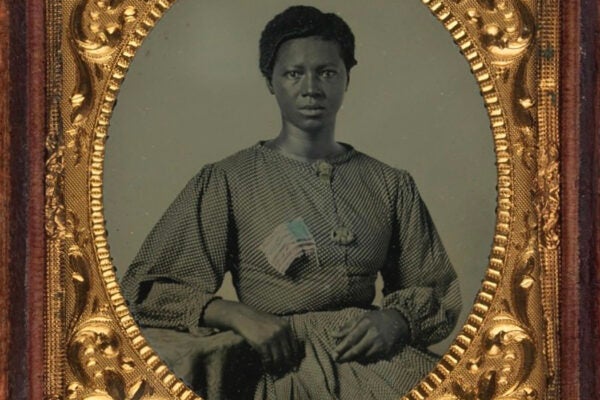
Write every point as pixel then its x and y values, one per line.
pixel 182 262
pixel 419 280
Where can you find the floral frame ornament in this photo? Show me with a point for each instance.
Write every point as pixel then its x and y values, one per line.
pixel 508 347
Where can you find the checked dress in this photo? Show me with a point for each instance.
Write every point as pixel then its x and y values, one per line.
pixel 366 218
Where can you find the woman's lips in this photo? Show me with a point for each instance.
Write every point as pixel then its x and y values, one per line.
pixel 312 110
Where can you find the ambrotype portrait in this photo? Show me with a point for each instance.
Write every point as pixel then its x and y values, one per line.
pixel 301 201
pixel 342 283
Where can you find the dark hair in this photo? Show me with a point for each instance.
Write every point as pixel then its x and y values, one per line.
pixel 299 22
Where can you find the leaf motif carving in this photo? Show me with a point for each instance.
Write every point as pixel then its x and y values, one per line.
pixel 525 278
pixel 506 29
pixel 55 209
pixel 513 350
pixel 524 108
pixel 505 364
pixel 97 30
pixel 80 279
pixel 549 199
pixel 507 32
pixel 99 366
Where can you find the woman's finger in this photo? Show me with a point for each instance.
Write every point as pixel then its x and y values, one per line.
pixel 362 348
pixel 352 338
pixel 375 351
pixel 346 327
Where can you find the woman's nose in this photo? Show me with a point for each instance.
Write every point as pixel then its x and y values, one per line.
pixel 311 86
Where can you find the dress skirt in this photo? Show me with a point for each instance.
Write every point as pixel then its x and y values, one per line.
pixel 319 376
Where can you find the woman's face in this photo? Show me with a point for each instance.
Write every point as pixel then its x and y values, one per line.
pixel 309 81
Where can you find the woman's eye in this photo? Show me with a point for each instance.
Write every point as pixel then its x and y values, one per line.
pixel 328 73
pixel 293 74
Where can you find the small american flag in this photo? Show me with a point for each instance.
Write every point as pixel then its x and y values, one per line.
pixel 287 242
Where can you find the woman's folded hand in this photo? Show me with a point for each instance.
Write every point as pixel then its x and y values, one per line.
pixel 269 335
pixel 272 338
pixel 373 335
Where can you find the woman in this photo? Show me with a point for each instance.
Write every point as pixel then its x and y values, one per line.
pixel 304 224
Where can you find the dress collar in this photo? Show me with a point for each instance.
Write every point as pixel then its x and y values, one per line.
pixel 334 160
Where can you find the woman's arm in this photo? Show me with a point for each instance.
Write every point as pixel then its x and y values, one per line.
pixel 421 293
pixel 419 280
pixel 173 279
pixel 183 260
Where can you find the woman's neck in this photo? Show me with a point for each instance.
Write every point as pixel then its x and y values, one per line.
pixel 306 146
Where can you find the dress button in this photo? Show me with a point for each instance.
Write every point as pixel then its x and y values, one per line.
pixel 342 235
pixel 323 170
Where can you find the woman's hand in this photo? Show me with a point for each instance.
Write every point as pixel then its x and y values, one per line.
pixel 270 336
pixel 372 335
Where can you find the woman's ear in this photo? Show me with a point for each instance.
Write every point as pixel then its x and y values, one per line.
pixel 269 85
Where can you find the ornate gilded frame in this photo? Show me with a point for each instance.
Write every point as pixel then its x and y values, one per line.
pixel 508 348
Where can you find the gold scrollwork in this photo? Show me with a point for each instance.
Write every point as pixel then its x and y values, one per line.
pixel 93 352
pixel 96 33
pixel 505 28
pixel 526 275
pixel 79 268
pixel 80 279
pixel 549 198
pixel 523 106
pixel 502 369
pixel 55 210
